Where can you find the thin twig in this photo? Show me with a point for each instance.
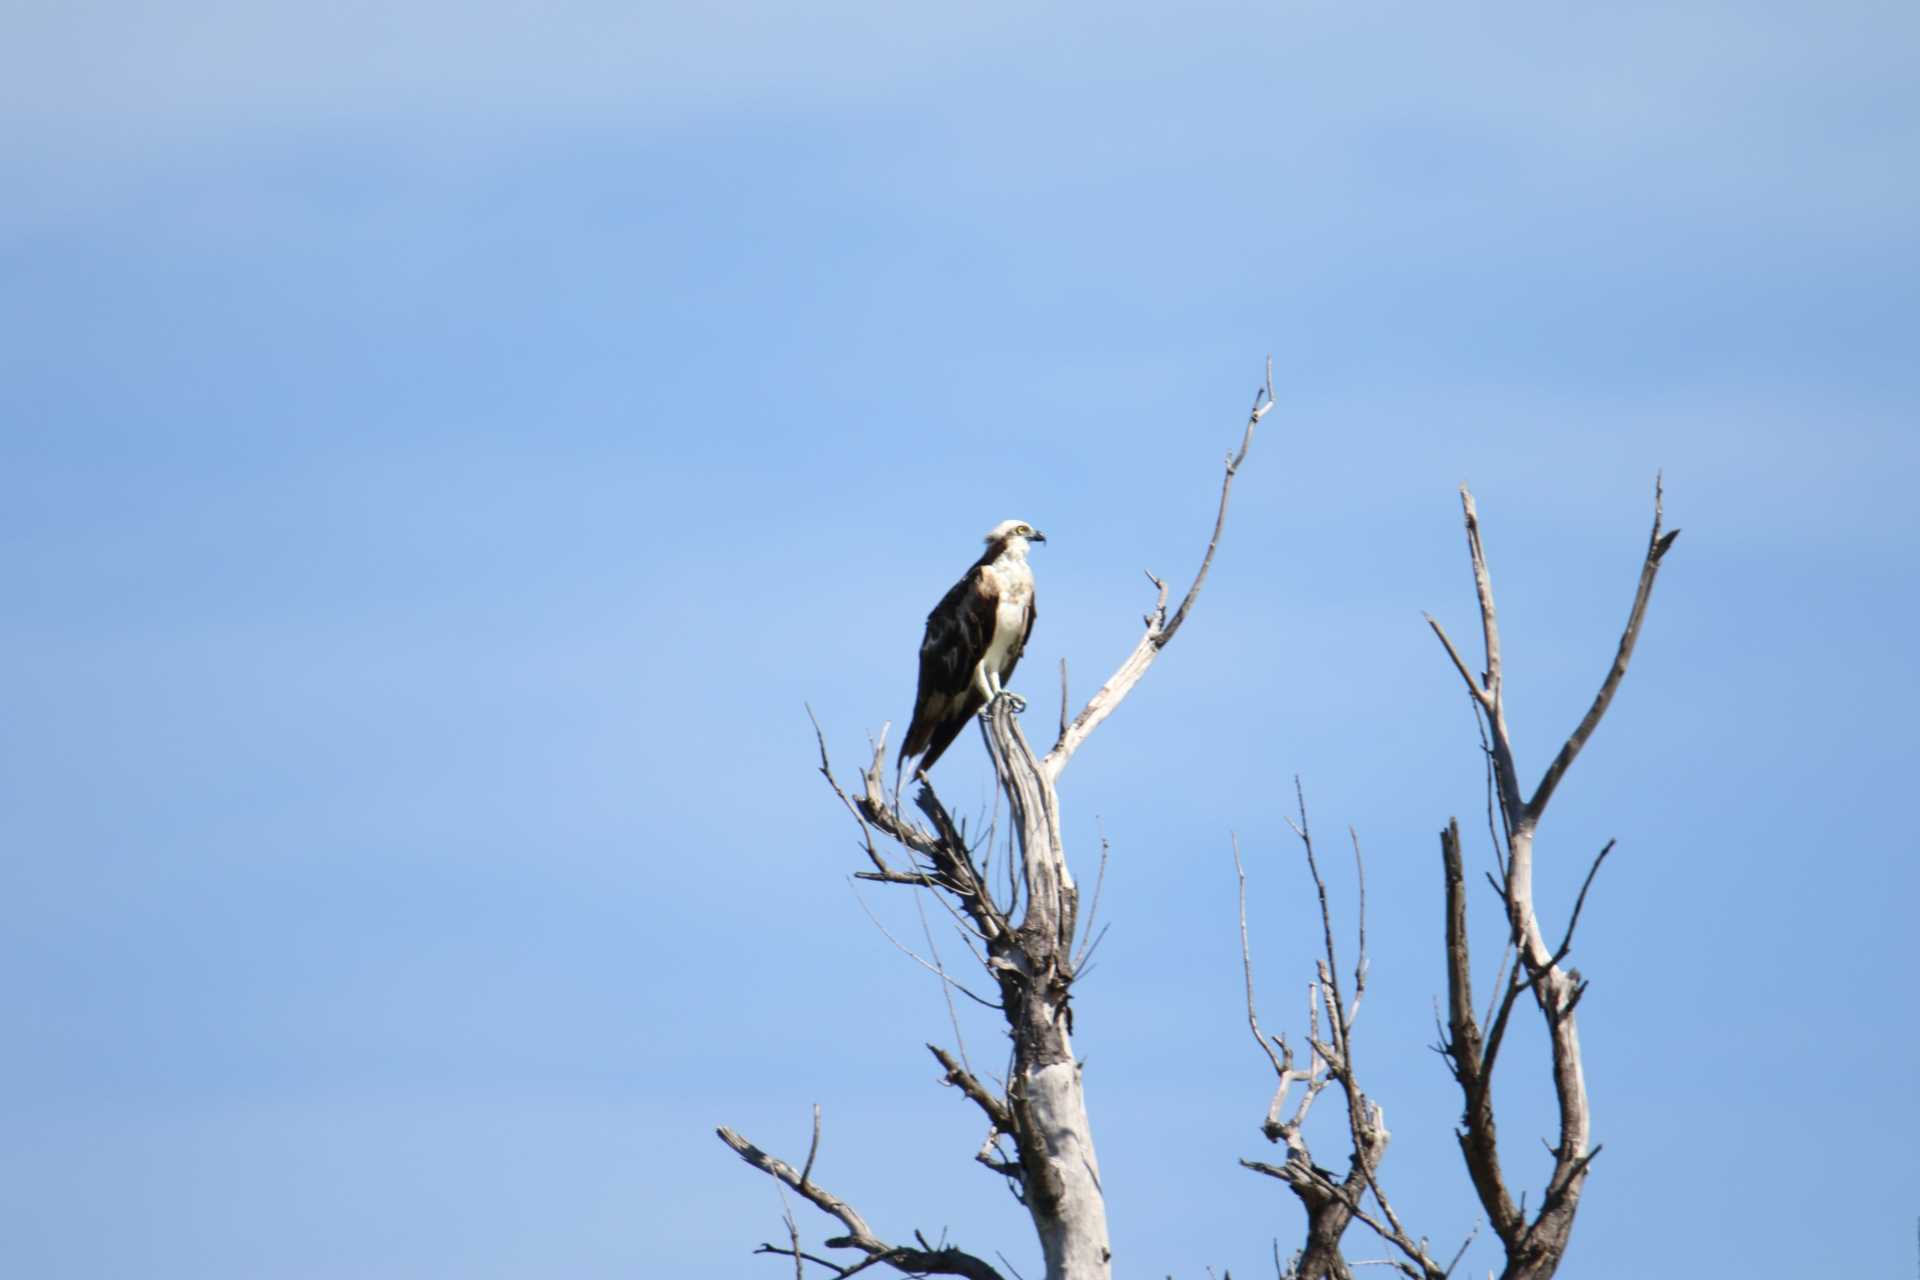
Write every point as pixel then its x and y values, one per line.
pixel 813 1148
pixel 1566 943
pixel 946 983
pixel 1336 1011
pixel 908 952
pixel 1460 664
pixel 1494 831
pixel 1093 911
pixel 793 1231
pixel 828 1263
pixel 1246 965
pixel 1263 402
pixel 826 771
pixel 1080 966
pixel 1359 964
pixel 1483 587
pixel 1461 1252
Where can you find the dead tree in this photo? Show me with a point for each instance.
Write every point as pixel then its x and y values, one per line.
pixel 1332 1200
pixel 1039 1136
pixel 1470 1044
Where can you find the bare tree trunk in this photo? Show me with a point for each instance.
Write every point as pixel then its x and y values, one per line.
pixel 1062 1174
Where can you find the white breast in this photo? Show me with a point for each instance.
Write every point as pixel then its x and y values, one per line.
pixel 1010 623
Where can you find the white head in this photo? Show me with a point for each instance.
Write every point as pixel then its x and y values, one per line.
pixel 1013 536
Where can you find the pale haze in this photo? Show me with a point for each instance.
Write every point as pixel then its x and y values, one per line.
pixel 446 448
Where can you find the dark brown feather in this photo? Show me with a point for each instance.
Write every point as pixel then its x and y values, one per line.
pixel 959 631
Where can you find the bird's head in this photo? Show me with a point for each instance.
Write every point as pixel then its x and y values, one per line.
pixel 1009 531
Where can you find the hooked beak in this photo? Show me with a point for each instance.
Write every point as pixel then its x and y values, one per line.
pixel 1036 536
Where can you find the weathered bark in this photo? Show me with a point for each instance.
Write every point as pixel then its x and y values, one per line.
pixel 1466 1051
pixel 1054 1138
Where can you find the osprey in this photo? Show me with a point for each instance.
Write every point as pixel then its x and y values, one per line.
pixel 975 637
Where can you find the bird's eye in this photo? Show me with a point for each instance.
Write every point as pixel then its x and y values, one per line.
pixel 1025 529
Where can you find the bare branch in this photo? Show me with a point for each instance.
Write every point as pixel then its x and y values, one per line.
pixel 1487 690
pixel 1360 962
pixel 1465 1052
pixel 1336 1007
pixel 1159 627
pixel 1657 547
pixel 1461 1252
pixel 1483 587
pixel 1246 964
pixel 1495 829
pixel 1519 981
pixel 917 879
pixel 820 1197
pixel 1063 696
pixel 1090 933
pixel 1263 401
pixel 1459 664
pixel 1313 1185
pixel 793 1228
pixel 947 1261
pixel 1404 1268
pixel 946 980
pixel 944 848
pixel 1566 943
pixel 798 1256
pixel 1081 968
pixel 813 1147
pixel 826 771
pixel 946 984
pixel 996 1110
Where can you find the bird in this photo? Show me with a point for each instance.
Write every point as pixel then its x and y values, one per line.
pixel 974 639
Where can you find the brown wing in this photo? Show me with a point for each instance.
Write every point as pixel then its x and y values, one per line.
pixel 958 630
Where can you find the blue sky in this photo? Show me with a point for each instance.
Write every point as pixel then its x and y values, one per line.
pixel 444 447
